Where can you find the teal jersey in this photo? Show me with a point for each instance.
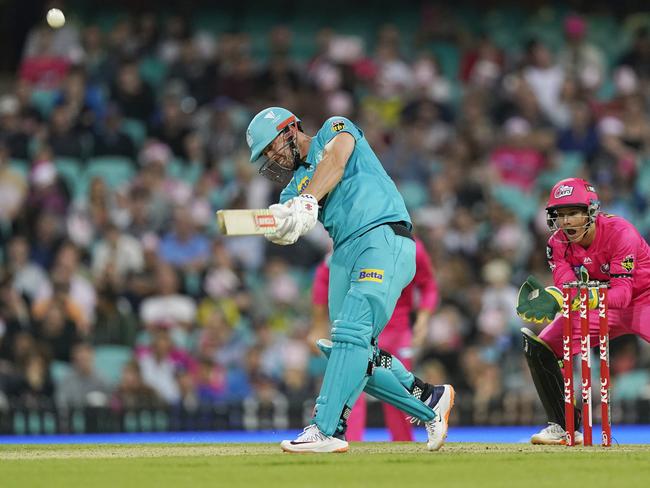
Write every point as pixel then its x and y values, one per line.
pixel 364 198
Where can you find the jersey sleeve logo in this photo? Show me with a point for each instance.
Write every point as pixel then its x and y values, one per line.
pixel 303 184
pixel 369 274
pixel 628 262
pixel 549 252
pixel 338 126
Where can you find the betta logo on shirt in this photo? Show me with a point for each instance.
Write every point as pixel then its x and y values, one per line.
pixel 563 191
pixel 368 274
pixel 338 125
pixel 628 262
pixel 605 268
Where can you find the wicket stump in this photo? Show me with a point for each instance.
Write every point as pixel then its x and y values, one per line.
pixel 583 289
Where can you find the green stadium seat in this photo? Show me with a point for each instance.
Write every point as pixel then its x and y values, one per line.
pixel 69 170
pixel 414 194
pixel 116 171
pixel 643 178
pixel 43 100
pixel 20 165
pixel 448 55
pixel 184 171
pixel 175 168
pixel 211 21
pixel 136 130
pixel 59 370
pixel 569 165
pixel 153 70
pixel 110 361
pixel 523 205
pixel 630 385
pixel 106 20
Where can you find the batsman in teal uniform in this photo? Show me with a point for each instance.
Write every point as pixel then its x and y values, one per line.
pixel 336 178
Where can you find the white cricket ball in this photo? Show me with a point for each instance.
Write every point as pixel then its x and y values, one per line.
pixel 55 18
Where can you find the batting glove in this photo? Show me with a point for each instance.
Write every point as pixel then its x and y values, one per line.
pixel 285 232
pixel 305 208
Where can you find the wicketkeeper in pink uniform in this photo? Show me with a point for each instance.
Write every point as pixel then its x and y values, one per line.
pixel 586 244
pixel 397 338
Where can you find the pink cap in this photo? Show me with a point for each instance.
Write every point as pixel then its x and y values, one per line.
pixel 572 192
pixel 575 26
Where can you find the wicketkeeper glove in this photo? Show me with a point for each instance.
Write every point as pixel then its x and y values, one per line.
pixel 536 303
pixel 583 276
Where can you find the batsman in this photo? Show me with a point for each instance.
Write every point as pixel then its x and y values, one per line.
pixel 585 243
pixel 336 178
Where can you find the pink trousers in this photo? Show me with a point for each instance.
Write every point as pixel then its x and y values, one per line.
pixel 398 426
pixel 631 320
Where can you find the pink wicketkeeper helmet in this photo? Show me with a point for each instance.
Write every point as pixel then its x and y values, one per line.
pixel 571 192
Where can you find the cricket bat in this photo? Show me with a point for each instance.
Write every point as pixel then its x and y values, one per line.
pixel 246 222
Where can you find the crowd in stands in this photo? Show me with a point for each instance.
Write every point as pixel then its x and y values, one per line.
pixel 118 144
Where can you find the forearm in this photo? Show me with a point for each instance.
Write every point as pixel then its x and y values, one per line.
pixel 420 327
pixel 327 175
pixel 329 170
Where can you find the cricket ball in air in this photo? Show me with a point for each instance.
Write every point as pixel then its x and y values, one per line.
pixel 55 18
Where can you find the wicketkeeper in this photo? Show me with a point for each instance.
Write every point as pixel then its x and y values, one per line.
pixel 585 243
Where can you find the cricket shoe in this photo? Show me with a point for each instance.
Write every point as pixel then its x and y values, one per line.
pixel 554 435
pixel 313 440
pixel 441 401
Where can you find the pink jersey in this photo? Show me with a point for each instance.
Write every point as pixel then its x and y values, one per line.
pixel 618 254
pixel 423 281
pixel 517 166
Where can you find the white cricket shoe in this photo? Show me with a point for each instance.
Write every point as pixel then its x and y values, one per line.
pixel 313 440
pixel 441 401
pixel 554 435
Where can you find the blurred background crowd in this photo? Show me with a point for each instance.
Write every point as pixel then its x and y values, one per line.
pixel 123 132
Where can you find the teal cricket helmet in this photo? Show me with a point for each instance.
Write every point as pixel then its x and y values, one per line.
pixel 265 127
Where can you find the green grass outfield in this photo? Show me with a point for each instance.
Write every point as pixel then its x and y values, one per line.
pixel 370 465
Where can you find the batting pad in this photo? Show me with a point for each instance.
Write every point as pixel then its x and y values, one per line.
pixel 345 377
pixel 391 386
pixel 547 378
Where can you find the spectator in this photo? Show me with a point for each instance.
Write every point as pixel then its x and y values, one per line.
pixel 638 55
pixel 132 392
pixel 110 139
pixel 35 388
pixel 516 162
pixel 161 364
pixel 64 137
pixel 184 247
pixel 119 250
pixel 580 59
pixel 13 187
pixel 15 139
pixel 581 135
pixel 28 277
pixel 82 387
pixel 132 94
pixel 56 330
pixel 168 305
pixel 545 78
